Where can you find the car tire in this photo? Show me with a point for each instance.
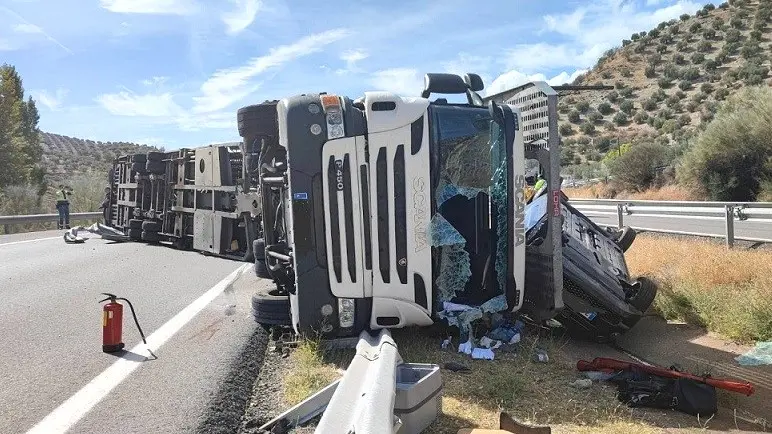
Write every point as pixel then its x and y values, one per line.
pixel 271 310
pixel 155 156
pixel 151 237
pixel 155 167
pixel 645 295
pixel 135 224
pixel 152 226
pixel 625 238
pixel 135 234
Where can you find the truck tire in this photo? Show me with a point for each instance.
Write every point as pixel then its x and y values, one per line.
pixel 152 226
pixel 270 310
pixel 258 249
pixel 135 234
pixel 625 238
pixel 139 158
pixel 258 120
pixel 156 167
pixel 138 167
pixel 647 291
pixel 155 156
pixel 135 224
pixel 151 237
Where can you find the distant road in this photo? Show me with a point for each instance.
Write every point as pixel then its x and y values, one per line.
pixel 705 226
pixel 50 323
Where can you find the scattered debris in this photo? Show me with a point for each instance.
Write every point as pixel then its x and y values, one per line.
pixel 106 232
pixel 761 354
pixel 507 424
pixel 541 356
pixel 583 383
pixel 456 367
pixel 482 353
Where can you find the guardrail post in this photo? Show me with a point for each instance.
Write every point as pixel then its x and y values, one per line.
pixel 729 226
pixel 620 216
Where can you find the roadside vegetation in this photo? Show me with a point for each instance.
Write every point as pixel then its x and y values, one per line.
pixel 703 283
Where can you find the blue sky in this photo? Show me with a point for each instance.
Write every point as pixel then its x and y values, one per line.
pixel 174 72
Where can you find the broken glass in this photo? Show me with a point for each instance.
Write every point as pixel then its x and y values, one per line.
pixel 454 273
pixel 443 233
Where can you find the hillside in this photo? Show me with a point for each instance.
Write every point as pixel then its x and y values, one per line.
pixel 668 82
pixel 64 157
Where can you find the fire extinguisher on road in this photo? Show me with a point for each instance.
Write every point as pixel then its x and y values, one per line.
pixel 112 323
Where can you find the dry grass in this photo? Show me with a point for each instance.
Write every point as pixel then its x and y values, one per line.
pixel 607 191
pixel 703 283
pixel 531 392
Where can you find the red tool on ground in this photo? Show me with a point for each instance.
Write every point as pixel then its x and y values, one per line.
pixel 112 323
pixel 604 364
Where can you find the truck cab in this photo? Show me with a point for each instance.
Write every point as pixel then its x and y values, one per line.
pixel 384 211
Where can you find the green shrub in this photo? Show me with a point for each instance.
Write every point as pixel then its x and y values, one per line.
pixel 606 74
pixel 566 130
pixel 697 58
pixel 626 42
pixel 682 45
pixel 583 106
pixel 684 119
pixel 659 95
pixel 684 17
pixel 733 156
pixel 594 116
pixel 620 118
pixel 717 25
pixel 603 144
pixel 732 35
pixel 666 113
pixel 711 65
pixel 672 100
pixel 750 50
pixel 736 22
pixel 619 85
pixel 706 88
pixel 605 108
pixel 626 92
pixel 641 117
pixel 664 83
pixel 679 94
pixel 658 122
pixel 662 48
pixel 699 97
pixel 574 116
pixel 636 169
pixel 566 155
pixel 708 7
pixel 670 72
pixel 685 85
pixel 588 128
pixel 724 5
pixel 691 106
pixel 669 126
pixel 755 36
pixel 695 27
pixel 691 73
pixel 626 106
pixel 584 140
pixel 650 72
pixel 635 37
pixel 613 96
pixel 650 104
pixel 679 59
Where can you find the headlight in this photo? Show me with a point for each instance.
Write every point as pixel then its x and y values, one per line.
pixel 346 312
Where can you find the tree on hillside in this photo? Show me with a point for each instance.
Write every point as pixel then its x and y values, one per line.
pixel 732 159
pixel 19 133
pixel 636 168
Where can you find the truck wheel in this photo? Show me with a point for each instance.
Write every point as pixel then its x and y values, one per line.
pixel 258 120
pixel 258 248
pixel 647 291
pixel 156 167
pixel 135 224
pixel 155 156
pixel 151 226
pixel 138 167
pixel 139 158
pixel 626 238
pixel 135 234
pixel 271 310
pixel 151 237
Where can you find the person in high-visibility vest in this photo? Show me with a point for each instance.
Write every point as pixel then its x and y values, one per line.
pixel 63 206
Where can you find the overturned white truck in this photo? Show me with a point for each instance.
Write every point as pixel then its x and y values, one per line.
pixel 377 211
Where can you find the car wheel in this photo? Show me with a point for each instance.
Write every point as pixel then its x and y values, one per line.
pixel 625 238
pixel 645 295
pixel 271 309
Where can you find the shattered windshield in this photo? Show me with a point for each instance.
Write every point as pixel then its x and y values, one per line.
pixel 471 192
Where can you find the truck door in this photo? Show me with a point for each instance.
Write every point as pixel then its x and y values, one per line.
pixel 400 208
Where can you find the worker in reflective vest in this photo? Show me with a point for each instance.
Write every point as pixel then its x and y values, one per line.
pixel 63 206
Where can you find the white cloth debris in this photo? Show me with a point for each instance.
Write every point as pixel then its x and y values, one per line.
pixel 466 347
pixel 482 353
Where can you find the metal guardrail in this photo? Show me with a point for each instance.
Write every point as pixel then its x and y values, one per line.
pixel 728 212
pixel 45 218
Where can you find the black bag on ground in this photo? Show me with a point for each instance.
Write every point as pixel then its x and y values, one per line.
pixel 638 389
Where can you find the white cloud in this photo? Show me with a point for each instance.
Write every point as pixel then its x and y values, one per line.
pixel 403 81
pixel 53 102
pixel 242 15
pixel 515 78
pixel 351 57
pixel 567 23
pixel 155 81
pixel 228 86
pixel 27 28
pixel 157 7
pixel 152 105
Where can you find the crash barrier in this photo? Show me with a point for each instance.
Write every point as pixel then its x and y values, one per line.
pixel 9 220
pixel 710 219
pixel 378 394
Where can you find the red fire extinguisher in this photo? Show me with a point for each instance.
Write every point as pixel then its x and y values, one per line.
pixel 112 323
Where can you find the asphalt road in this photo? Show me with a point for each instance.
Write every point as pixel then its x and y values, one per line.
pixel 752 229
pixel 50 323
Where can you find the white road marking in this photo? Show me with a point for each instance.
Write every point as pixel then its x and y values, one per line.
pixel 31 241
pixel 71 411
